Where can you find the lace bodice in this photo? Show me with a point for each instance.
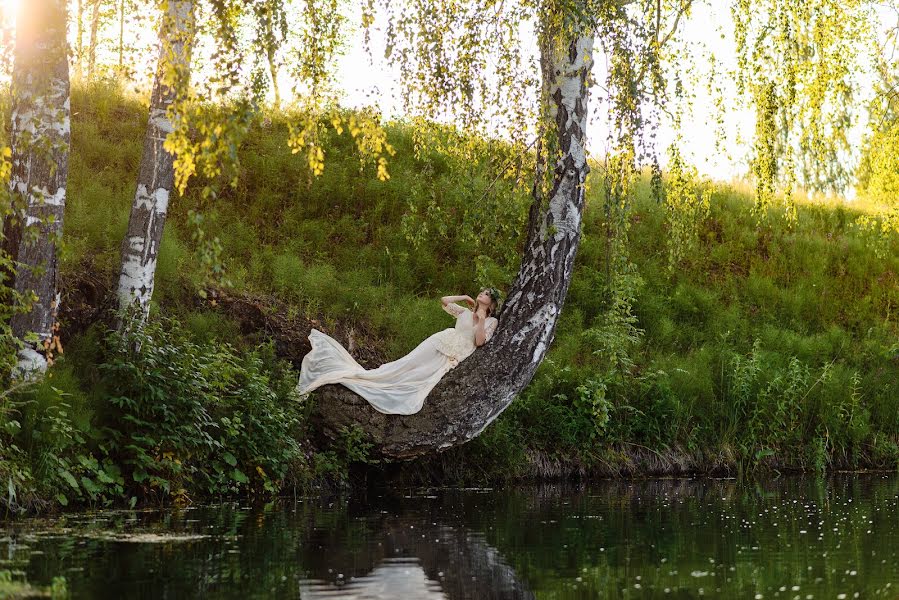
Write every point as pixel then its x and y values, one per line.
pixel 458 342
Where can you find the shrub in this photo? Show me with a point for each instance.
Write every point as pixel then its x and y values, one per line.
pixel 50 455
pixel 183 418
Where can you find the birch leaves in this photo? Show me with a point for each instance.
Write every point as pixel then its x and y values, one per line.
pixel 798 63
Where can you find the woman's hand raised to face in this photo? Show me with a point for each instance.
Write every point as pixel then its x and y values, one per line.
pixel 471 303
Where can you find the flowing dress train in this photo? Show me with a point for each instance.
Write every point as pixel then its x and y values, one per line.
pixel 399 387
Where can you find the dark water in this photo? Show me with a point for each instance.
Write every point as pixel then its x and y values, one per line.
pixel 790 538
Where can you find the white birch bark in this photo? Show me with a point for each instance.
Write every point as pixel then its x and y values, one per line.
pixel 40 133
pixel 473 394
pixel 140 248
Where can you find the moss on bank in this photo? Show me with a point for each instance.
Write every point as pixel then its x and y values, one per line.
pixel 768 345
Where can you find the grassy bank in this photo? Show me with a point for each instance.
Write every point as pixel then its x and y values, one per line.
pixel 766 345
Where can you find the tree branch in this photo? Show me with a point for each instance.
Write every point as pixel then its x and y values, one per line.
pixel 680 13
pixel 684 7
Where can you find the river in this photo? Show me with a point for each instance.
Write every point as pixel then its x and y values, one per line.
pixel 790 537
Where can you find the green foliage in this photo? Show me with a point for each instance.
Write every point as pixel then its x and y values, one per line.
pixel 16 476
pixel 483 213
pixel 208 253
pixel 183 418
pixel 351 447
pixel 796 64
pixel 615 333
pixel 878 172
pixel 778 406
pixel 563 409
pixel 11 302
pixel 13 586
pixel 167 417
pixel 52 453
pixel 881 230
pixel 687 200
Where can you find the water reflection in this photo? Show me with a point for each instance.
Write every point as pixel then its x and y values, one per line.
pixel 392 578
pixel 670 538
pixel 419 535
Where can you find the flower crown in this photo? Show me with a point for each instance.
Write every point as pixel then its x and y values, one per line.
pixel 493 293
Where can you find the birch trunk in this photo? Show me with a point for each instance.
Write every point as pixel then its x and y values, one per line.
pixel 121 34
pixel 140 247
pixel 92 51
pixel 273 69
pixel 473 394
pixel 40 131
pixel 78 59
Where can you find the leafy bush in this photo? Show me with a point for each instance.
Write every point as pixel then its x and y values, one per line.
pixel 52 457
pixel 11 303
pixel 184 418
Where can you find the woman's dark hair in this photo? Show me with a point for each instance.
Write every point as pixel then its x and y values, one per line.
pixel 494 296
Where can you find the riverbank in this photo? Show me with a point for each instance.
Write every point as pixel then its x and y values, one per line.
pixel 722 344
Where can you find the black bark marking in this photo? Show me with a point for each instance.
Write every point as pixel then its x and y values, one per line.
pixel 557 98
pixel 565 142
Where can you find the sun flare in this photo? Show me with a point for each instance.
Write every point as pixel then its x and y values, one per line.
pixel 8 10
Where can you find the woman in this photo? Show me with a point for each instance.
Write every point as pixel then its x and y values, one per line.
pixel 400 387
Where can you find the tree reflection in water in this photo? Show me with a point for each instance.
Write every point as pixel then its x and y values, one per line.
pixel 415 554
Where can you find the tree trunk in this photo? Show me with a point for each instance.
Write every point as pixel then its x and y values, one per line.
pixel 273 69
pixel 92 51
pixel 78 59
pixel 40 131
pixel 121 35
pixel 268 18
pixel 473 394
pixel 140 247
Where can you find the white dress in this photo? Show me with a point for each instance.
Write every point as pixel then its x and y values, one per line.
pixel 399 387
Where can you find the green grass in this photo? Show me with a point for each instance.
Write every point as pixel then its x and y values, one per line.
pixel 812 303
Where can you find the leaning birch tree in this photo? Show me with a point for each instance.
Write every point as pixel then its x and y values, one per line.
pixel 473 394
pixel 39 135
pixel 155 181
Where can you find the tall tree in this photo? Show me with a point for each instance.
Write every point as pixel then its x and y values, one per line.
pixel 271 22
pixel 40 132
pixel 796 62
pixel 472 395
pixel 78 58
pixel 140 248
pixel 92 48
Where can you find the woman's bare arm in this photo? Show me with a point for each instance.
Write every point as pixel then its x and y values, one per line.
pixel 468 299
